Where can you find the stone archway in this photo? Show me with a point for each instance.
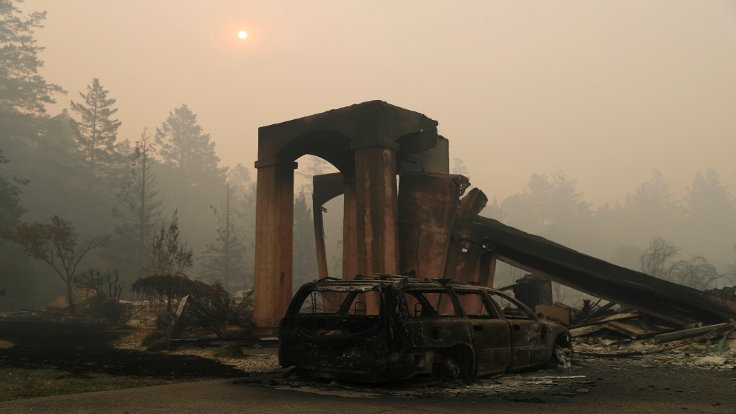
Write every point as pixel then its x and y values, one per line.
pixel 367 142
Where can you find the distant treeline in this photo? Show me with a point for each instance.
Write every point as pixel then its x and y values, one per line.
pixel 74 165
pixel 695 232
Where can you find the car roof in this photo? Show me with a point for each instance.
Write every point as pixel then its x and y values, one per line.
pixel 362 282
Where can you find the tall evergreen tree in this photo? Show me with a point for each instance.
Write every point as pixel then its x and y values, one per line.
pixel 244 192
pixel 184 146
pixel 14 277
pixel 140 207
pixel 549 203
pixel 189 175
pixel 22 88
pixel 96 128
pixel 10 208
pixel 711 217
pixel 305 257
pixel 650 209
pixel 224 260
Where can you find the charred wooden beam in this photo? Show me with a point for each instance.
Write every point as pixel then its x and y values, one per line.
pixel 666 300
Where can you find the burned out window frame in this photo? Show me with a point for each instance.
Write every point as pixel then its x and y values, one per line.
pixel 351 292
pixel 531 315
pixel 425 302
pixel 493 312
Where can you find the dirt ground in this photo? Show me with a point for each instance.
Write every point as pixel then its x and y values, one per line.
pixel 91 357
pixel 39 358
pixel 622 382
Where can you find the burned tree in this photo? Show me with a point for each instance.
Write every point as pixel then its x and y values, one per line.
pixel 655 259
pixel 166 263
pixel 56 244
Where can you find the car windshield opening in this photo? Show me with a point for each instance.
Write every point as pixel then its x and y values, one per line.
pixel 344 302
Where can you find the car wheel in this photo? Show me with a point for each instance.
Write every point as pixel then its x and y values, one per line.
pixel 452 369
pixel 456 364
pixel 561 353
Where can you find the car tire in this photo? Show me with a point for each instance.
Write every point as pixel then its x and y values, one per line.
pixel 561 353
pixel 456 364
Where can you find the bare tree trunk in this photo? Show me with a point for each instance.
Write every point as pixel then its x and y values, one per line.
pixel 70 296
pixel 227 241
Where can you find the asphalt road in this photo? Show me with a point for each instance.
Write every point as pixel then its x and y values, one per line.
pixel 596 386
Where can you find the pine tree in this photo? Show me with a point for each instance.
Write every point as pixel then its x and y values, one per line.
pixel 22 88
pixel 141 206
pixel 710 216
pixel 305 258
pixel 96 129
pixel 243 190
pixel 10 207
pixel 184 146
pixel 224 259
pixel 189 174
pixel 14 278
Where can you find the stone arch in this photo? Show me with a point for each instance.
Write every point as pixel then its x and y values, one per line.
pixel 366 142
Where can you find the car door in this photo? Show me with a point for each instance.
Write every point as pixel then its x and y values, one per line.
pixel 491 334
pixel 528 343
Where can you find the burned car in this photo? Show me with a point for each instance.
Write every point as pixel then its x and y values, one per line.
pixel 393 328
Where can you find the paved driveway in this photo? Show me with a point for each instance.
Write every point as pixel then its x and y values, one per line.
pixel 602 387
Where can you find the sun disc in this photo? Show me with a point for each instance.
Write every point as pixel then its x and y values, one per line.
pixel 242 34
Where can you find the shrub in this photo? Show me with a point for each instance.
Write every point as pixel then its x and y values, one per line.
pixel 156 341
pixel 230 350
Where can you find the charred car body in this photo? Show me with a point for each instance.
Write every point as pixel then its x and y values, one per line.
pixel 391 328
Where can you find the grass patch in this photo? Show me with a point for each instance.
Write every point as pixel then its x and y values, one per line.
pixel 16 383
pixel 156 341
pixel 230 350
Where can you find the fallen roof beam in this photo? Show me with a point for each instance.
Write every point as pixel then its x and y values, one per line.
pixel 666 300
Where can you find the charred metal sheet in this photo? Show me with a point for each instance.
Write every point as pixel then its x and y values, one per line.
pixel 666 300
pixel 427 206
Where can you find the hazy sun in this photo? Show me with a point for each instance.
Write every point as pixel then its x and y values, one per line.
pixel 242 34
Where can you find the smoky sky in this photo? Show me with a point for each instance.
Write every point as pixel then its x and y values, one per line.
pixel 606 91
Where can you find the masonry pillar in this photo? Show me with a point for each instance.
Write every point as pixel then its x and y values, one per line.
pixel 274 244
pixel 319 237
pixel 376 208
pixel 427 207
pixel 485 273
pixel 349 231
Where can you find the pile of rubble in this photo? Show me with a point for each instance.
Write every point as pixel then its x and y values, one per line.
pixel 613 331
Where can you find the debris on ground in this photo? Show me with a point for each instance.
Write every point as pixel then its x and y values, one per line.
pixel 619 332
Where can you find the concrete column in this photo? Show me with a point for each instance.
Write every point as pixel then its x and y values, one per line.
pixel 427 207
pixel 376 207
pixel 349 231
pixel 319 238
pixel 274 244
pixel 486 271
